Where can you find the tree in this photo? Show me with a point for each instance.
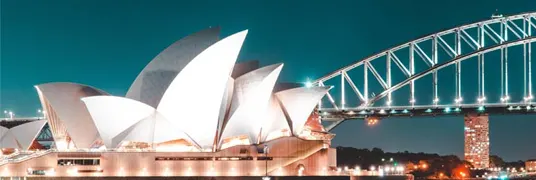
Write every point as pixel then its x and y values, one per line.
pixel 496 161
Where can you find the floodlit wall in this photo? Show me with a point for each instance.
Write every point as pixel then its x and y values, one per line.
pixel 284 152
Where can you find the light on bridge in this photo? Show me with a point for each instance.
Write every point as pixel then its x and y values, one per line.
pixel 412 101
pixel 447 109
pixel 481 108
pixel 457 109
pixel 481 99
pixel 528 98
pixel 458 100
pixel 505 98
pixel 436 100
pixel 428 110
pixel 393 111
pixel 405 111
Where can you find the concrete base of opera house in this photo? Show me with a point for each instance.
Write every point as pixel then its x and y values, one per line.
pixel 288 156
pixel 231 178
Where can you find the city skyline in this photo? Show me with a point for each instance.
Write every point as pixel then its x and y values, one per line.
pixel 83 42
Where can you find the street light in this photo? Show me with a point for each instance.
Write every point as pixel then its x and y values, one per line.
pixel 39 112
pixel 11 114
pixel 308 84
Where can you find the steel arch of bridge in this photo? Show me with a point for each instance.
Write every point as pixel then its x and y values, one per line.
pixel 503 32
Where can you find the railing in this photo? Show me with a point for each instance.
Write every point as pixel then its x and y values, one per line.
pixel 11 158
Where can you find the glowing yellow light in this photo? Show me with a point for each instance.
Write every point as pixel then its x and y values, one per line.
pixel 424 166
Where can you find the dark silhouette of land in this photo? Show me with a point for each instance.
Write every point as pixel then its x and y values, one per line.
pixel 419 164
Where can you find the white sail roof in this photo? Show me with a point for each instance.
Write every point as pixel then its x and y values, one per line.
pixel 251 97
pixel 64 99
pixel 152 129
pixel 3 130
pixel 199 90
pixel 21 136
pixel 113 115
pixel 274 119
pixel 26 133
pixel 155 78
pixel 225 104
pixel 9 141
pixel 299 103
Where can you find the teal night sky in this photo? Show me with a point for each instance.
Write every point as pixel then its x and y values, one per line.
pixel 106 43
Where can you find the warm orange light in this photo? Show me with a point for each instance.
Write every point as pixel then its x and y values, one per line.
pixel 424 166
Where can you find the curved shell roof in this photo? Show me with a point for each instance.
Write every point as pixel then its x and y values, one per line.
pixel 251 97
pixel 21 136
pixel 113 115
pixel 298 103
pixel 155 78
pixel 62 103
pixel 274 120
pixel 199 90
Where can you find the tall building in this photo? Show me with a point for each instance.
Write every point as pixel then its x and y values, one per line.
pixel 477 140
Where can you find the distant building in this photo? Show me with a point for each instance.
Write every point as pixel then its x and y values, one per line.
pixel 477 140
pixel 530 165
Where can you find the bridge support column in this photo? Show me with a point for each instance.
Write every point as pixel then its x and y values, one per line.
pixel 476 133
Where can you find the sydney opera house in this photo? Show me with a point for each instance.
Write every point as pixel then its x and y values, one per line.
pixel 192 111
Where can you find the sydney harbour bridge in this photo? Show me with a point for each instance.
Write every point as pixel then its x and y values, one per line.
pixel 483 67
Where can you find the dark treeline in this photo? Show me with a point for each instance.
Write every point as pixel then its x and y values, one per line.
pixel 434 164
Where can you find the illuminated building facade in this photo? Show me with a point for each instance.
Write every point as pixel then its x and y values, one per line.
pixel 477 140
pixel 530 165
pixel 192 111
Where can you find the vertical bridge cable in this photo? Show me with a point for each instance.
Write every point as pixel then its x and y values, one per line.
pixel 388 64
pixel 505 61
pixel 525 92
pixel 342 90
pixel 530 57
pixel 503 95
pixel 365 76
pixel 458 68
pixel 482 66
pixel 412 71
pixel 434 60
